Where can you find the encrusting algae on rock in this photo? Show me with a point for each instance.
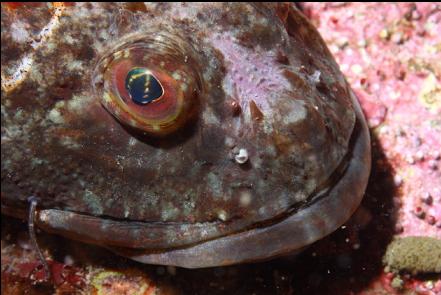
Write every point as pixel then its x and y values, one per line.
pixel 112 282
pixel 414 254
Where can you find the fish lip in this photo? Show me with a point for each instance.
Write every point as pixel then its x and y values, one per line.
pixel 291 234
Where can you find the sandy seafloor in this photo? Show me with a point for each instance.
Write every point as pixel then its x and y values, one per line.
pixel 391 55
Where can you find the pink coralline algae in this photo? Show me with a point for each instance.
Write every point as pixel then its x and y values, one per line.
pixel 391 55
pixel 398 84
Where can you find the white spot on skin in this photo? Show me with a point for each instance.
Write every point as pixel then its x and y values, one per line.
pixel 78 102
pixel 50 47
pixel 215 184
pixel 93 201
pixel 69 260
pixel 222 215
pixel 106 97
pixel 310 185
pixel 43 216
pixel 209 117
pixel 133 123
pixel 242 156
pixel 300 196
pixel 176 76
pixel 159 38
pixel 169 211
pixel 257 162
pixel 271 151
pixel 75 65
pixel 229 142
pixel 188 207
pixel 126 213
pixel 315 77
pixel 69 40
pixel 19 32
pixel 245 198
pixel 117 54
pixel 295 112
pixel 132 141
pixel 69 142
pixel 19 114
pixel 55 116
pixel 268 127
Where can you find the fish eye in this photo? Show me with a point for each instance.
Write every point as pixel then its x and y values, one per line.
pixel 152 85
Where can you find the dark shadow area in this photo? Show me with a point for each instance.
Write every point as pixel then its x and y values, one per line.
pixel 351 258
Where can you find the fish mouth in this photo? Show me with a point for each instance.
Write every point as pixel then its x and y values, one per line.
pixel 332 205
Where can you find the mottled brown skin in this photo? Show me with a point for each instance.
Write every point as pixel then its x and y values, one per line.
pixel 269 86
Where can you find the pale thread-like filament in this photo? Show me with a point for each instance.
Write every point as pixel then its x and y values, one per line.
pixel 33 237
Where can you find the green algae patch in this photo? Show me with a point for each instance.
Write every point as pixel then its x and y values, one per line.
pixel 414 254
pixel 113 282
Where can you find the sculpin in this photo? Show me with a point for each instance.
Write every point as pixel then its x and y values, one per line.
pixel 187 134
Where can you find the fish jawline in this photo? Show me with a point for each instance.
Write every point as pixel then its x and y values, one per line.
pixel 284 236
pixel 291 234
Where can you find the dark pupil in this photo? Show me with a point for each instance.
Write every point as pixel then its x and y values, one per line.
pixel 142 86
